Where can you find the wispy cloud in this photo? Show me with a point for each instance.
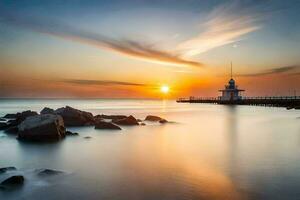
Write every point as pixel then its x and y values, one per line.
pixel 225 24
pixel 125 47
pixel 279 70
pixel 99 82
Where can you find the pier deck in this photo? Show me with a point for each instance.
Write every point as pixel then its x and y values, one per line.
pixel 279 101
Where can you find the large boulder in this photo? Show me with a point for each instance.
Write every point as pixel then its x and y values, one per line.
pixel 106 125
pixel 128 121
pixel 47 110
pixel 43 128
pixel 74 117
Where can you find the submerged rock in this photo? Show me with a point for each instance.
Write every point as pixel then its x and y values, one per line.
pixel 87 137
pixel 106 125
pixel 162 121
pixel 142 124
pixel 128 121
pixel 153 118
pixel 98 118
pixel 112 117
pixel 48 172
pixel 46 128
pixel 12 130
pixel 5 169
pixel 10 116
pixel 13 181
pixel 47 110
pixel 69 133
pixel 3 125
pixel 74 117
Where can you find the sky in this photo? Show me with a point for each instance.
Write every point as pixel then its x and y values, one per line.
pixel 130 49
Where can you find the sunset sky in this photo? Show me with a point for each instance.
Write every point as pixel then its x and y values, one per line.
pixel 130 49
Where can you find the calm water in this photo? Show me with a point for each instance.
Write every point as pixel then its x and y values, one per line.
pixel 209 152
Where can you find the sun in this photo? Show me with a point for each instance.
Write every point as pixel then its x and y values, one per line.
pixel 165 89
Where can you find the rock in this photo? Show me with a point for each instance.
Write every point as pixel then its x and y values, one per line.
pixel 297 107
pixel 48 172
pixel 153 118
pixel 13 181
pixel 12 130
pixel 69 133
pixel 98 118
pixel 112 117
pixel 47 110
pixel 10 116
pixel 45 128
pixel 3 125
pixel 19 117
pixel 5 169
pixel 142 124
pixel 23 115
pixel 139 120
pixel 106 125
pixel 74 117
pixel 162 121
pixel 2 119
pixel 128 121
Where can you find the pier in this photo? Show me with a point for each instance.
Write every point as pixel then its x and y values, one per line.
pixel 278 101
pixel 232 95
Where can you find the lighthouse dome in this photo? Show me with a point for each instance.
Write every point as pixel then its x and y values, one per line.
pixel 231 84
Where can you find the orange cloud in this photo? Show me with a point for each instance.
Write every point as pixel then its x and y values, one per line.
pixel 125 47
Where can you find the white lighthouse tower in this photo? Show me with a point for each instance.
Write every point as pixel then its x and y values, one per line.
pixel 231 91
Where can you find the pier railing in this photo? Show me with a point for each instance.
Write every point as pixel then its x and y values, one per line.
pixel 273 97
pixel 286 101
pixel 243 98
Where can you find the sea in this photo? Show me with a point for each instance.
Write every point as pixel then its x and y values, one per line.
pixel 206 151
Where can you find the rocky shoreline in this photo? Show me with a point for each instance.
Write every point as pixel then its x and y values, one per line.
pixel 51 125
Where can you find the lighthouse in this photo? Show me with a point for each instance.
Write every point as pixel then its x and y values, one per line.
pixel 231 91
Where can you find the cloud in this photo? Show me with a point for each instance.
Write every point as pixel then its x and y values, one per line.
pixel 278 70
pixel 225 24
pixel 99 82
pixel 125 47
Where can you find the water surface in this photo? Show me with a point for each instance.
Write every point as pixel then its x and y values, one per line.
pixel 208 152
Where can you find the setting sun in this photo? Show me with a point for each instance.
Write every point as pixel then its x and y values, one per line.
pixel 165 89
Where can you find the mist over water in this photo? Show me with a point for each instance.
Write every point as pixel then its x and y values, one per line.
pixel 207 152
